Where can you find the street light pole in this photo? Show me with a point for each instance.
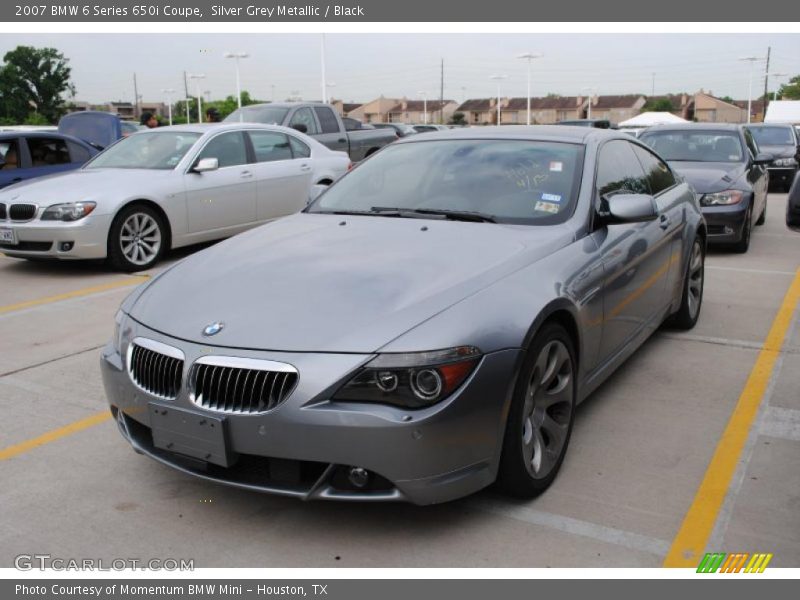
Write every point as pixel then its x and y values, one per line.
pixel 752 60
pixel 322 63
pixel 498 79
pixel 591 91
pixel 776 76
pixel 529 56
pixel 197 77
pixel 236 56
pixel 424 106
pixel 169 92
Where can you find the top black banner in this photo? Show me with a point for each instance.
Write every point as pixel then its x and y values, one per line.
pixel 366 11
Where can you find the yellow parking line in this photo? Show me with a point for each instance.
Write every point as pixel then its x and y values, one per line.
pixel 54 435
pixel 133 280
pixel 690 542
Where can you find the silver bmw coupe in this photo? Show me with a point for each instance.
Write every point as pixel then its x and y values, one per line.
pixel 424 328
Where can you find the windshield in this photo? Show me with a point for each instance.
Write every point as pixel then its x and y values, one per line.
pixel 773 136
pixel 510 181
pixel 156 150
pixel 695 146
pixel 270 115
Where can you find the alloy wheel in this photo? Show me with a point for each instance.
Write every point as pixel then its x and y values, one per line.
pixel 548 409
pixel 695 280
pixel 140 238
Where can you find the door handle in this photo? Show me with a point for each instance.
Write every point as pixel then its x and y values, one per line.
pixel 342 140
pixel 16 179
pixel 305 167
pixel 246 175
pixel 663 221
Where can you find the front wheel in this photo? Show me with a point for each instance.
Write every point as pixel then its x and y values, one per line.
pixel 136 239
pixel 763 218
pixel 692 297
pixel 541 416
pixel 743 245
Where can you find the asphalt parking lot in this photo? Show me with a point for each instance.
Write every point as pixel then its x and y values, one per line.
pixel 654 474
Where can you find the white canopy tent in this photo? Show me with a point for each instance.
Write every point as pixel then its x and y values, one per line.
pixel 783 111
pixel 646 119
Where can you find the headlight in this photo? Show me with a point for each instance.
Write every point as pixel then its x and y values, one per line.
pixel 722 198
pixel 69 211
pixel 784 162
pixel 413 380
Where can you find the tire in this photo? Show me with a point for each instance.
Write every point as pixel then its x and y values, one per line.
pixel 693 283
pixel 137 239
pixel 743 245
pixel 763 218
pixel 540 421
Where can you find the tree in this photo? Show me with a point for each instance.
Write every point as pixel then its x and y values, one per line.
pixel 657 105
pixel 791 90
pixel 33 80
pixel 458 119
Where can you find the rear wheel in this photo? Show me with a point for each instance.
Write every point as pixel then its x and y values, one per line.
pixel 763 218
pixel 136 239
pixel 692 297
pixel 542 412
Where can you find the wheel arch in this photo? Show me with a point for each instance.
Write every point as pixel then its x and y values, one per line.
pixel 154 206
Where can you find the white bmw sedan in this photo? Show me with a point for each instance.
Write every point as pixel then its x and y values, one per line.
pixel 165 188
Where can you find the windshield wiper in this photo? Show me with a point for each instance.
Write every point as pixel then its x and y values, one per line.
pixel 454 215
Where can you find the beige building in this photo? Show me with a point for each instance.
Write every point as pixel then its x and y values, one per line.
pixel 710 109
pixel 344 108
pixel 376 111
pixel 420 111
pixel 614 108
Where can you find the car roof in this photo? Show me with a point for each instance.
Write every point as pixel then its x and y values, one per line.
pixel 203 128
pixel 553 133
pixel 697 127
pixel 4 135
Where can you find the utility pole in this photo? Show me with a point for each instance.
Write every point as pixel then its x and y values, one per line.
pixel 136 112
pixel 441 95
pixel 186 96
pixel 322 65
pixel 766 83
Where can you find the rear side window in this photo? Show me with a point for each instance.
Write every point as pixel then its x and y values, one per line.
pixel 299 149
pixel 270 146
pixel 327 119
pixel 78 153
pixel 659 177
pixel 619 171
pixel 9 155
pixel 46 152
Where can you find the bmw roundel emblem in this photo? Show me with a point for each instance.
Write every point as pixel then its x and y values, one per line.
pixel 213 329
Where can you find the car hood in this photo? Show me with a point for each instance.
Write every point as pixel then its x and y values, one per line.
pixel 84 185
pixel 328 283
pixel 782 151
pixel 709 177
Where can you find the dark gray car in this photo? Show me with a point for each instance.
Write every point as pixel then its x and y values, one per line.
pixel 424 328
pixel 783 143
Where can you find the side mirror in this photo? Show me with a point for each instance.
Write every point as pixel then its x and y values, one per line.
pixel 315 192
pixel 206 164
pixel 763 158
pixel 300 127
pixel 628 208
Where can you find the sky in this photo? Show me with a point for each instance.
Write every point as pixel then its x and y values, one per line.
pixel 361 67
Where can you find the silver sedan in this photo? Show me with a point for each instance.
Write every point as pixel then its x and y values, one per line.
pixel 166 188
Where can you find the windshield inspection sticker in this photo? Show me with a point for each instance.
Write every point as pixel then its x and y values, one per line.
pixel 556 166
pixel 547 207
pixel 551 197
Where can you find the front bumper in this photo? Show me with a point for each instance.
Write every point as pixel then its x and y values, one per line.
pixel 45 239
pixel 305 446
pixel 725 223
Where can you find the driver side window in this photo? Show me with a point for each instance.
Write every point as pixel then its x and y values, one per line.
pixel 304 116
pixel 228 148
pixel 619 171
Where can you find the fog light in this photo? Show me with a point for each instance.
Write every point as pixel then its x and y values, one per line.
pixel 358 477
pixel 728 230
pixel 66 246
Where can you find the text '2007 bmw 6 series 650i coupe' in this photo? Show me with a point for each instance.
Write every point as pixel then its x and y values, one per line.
pixel 424 328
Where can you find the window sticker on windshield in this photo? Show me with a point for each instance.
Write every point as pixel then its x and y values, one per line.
pixel 556 166
pixel 551 197
pixel 547 207
pixel 733 157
